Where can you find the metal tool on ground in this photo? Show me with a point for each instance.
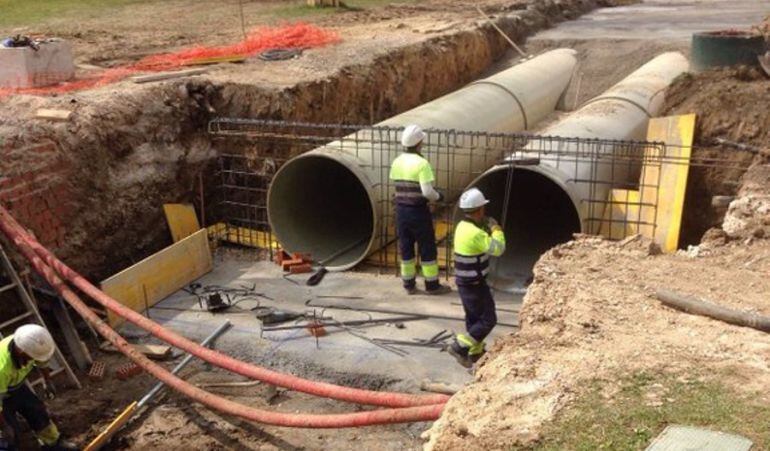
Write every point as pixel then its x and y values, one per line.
pixel 331 322
pixel 279 316
pixel 130 411
pixel 437 341
pixel 218 298
pixel 316 278
pixel 395 312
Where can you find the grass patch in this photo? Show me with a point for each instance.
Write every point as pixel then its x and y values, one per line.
pixel 15 13
pixel 300 10
pixel 644 405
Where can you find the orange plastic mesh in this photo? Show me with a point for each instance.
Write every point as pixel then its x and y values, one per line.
pixel 293 36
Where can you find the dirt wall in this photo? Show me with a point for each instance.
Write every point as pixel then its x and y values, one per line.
pixel 94 195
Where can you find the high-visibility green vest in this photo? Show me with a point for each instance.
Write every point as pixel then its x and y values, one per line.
pixel 11 377
pixel 472 248
pixel 407 172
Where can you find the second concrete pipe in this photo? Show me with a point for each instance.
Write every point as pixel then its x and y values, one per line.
pixel 548 202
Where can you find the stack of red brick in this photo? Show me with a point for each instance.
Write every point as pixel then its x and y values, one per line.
pixel 296 263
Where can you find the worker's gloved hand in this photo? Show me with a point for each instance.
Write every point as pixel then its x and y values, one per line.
pixel 492 223
pixel 441 196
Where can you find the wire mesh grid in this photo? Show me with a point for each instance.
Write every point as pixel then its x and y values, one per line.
pixel 609 175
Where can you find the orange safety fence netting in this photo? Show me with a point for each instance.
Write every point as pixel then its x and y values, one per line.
pixel 292 36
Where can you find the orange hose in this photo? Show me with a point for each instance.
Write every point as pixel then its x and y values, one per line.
pixel 384 416
pixel 22 238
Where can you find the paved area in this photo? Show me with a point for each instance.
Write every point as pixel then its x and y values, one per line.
pixel 340 352
pixel 661 19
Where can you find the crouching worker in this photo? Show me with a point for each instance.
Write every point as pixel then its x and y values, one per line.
pixel 476 238
pixel 30 346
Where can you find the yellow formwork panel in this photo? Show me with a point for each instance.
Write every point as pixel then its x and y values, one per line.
pixel 242 235
pixel 161 274
pixel 670 177
pixel 182 220
pixel 621 214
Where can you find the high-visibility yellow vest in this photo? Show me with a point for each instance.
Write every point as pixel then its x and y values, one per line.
pixel 407 172
pixel 472 248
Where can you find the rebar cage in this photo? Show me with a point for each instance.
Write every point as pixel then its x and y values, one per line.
pixel 619 167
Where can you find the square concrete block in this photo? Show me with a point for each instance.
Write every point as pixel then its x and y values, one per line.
pixel 23 67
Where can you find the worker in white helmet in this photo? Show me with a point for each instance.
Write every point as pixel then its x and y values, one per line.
pixel 476 239
pixel 29 347
pixel 413 178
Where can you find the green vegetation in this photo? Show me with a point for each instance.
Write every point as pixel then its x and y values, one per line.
pixel 15 13
pixel 644 405
pixel 299 9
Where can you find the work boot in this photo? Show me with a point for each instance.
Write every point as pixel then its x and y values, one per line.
pixel 438 290
pixel 460 354
pixel 411 290
pixel 476 357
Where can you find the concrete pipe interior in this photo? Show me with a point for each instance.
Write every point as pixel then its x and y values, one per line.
pixel 319 206
pixel 540 216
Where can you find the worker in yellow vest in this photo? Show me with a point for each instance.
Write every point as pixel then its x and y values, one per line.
pixel 476 239
pixel 413 178
pixel 29 347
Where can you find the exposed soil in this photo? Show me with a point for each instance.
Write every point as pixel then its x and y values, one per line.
pixel 591 313
pixel 729 104
pixel 130 148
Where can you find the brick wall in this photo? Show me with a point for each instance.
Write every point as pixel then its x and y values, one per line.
pixel 34 188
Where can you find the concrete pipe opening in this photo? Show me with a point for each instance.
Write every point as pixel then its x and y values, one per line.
pixel 320 206
pixel 540 215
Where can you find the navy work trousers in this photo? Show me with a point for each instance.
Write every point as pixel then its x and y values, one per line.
pixel 479 306
pixel 414 224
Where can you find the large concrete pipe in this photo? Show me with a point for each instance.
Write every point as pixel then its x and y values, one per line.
pixel 331 201
pixel 546 204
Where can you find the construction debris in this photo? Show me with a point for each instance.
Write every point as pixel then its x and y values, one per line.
pixel 53 115
pixel 96 373
pixel 167 75
pixel 128 370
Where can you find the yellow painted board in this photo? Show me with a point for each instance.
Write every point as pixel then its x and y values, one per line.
pixel 105 436
pixel 242 235
pixel 670 177
pixel 621 214
pixel 160 274
pixel 181 219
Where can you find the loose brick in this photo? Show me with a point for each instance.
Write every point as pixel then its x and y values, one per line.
pixel 305 257
pixel 301 269
pixel 96 373
pixel 127 370
pixel 281 256
pixel 286 264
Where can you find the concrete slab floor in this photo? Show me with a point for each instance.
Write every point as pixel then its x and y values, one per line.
pixel 661 19
pixel 338 356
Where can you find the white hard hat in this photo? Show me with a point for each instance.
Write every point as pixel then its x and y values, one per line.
pixel 34 341
pixel 472 199
pixel 412 135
